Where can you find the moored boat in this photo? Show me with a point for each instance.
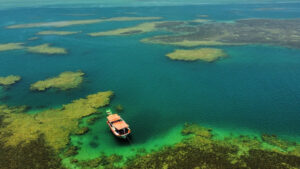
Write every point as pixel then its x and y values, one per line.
pixel 118 126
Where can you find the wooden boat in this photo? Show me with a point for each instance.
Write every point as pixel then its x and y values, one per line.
pixel 118 126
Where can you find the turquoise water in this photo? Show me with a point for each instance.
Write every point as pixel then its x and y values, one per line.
pixel 256 88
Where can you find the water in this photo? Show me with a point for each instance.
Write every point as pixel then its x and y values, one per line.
pixel 257 88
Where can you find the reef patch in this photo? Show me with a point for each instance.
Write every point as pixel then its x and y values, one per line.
pixel 58 32
pixel 20 128
pixel 204 54
pixel 46 49
pixel 64 81
pixel 283 32
pixel 11 46
pixel 78 22
pixel 141 28
pixel 200 150
pixel 9 80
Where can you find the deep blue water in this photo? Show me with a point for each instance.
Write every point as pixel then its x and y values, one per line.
pixel 256 87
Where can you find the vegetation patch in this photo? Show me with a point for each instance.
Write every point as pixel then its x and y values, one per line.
pixel 64 81
pixel 9 80
pixel 201 150
pixel 46 49
pixel 78 22
pixel 283 32
pixel 142 28
pixel 204 54
pixel 11 46
pixel 55 124
pixel 57 32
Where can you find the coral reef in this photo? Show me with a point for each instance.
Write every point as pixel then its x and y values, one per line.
pixel 9 80
pixel 78 22
pixel 71 151
pixel 102 161
pixel 186 43
pixel 46 49
pixel 201 150
pixel 34 154
pixel 92 120
pixel 64 81
pixel 283 32
pixel 11 46
pixel 273 140
pixel 57 32
pixel 82 131
pixel 204 54
pixel 142 28
pixel 119 108
pixel 33 38
pixel 55 124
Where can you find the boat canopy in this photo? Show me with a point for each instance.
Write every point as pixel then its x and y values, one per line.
pixel 120 125
pixel 113 117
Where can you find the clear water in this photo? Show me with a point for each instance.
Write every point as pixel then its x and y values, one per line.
pixel 256 88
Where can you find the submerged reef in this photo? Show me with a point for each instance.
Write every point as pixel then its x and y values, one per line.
pixel 19 128
pixel 46 49
pixel 57 32
pixel 34 154
pixel 11 46
pixel 200 150
pixel 9 80
pixel 64 81
pixel 283 32
pixel 138 29
pixel 78 22
pixel 142 28
pixel 204 54
pixel 33 38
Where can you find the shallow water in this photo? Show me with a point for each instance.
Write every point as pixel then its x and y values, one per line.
pixel 257 88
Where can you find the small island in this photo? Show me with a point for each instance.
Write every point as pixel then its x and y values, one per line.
pixel 9 80
pixel 46 49
pixel 64 81
pixel 204 54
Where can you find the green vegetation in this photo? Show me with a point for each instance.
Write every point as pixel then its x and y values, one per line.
pixel 57 32
pixel 46 49
pixel 204 54
pixel 18 128
pixel 11 46
pixel 200 150
pixel 64 81
pixel 78 22
pixel 9 80
pixel 142 28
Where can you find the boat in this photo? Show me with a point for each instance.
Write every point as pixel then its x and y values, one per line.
pixel 117 125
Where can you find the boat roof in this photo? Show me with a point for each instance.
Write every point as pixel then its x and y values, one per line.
pixel 120 125
pixel 113 117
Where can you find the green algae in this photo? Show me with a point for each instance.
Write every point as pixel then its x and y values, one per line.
pixel 64 81
pixel 201 150
pixel 283 32
pixel 11 46
pixel 55 124
pixel 204 54
pixel 78 22
pixel 34 154
pixel 46 49
pixel 9 80
pixel 142 28
pixel 51 32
